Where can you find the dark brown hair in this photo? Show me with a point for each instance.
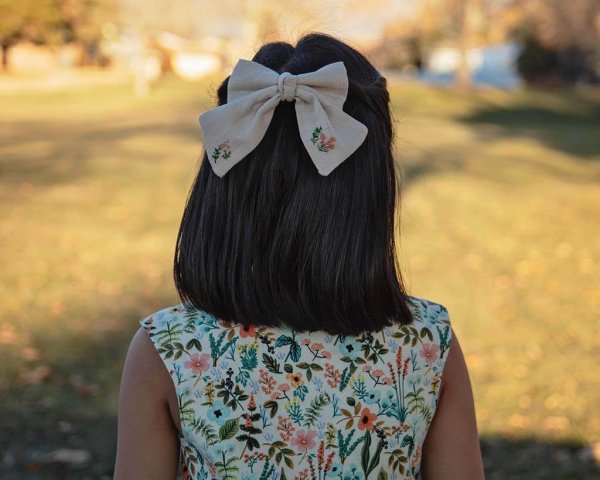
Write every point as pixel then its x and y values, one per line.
pixel 273 242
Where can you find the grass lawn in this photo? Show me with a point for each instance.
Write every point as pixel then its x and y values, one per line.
pixel 499 224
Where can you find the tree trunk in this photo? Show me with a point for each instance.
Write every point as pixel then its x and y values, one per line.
pixel 5 48
pixel 462 79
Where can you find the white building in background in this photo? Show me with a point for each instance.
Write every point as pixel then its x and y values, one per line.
pixel 493 65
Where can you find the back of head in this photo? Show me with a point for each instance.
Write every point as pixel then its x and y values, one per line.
pixel 274 242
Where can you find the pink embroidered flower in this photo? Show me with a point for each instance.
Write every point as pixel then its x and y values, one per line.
pixel 304 439
pixel 321 141
pixel 198 363
pixel 223 150
pixel 429 352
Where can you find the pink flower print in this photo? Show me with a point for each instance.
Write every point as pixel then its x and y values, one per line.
pixel 377 373
pixel 366 368
pixel 285 428
pixel 198 363
pixel 317 346
pixel 267 381
pixel 326 354
pixel 429 352
pixel 304 439
pixel 305 341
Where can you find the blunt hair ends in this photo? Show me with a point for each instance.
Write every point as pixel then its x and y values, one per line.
pixel 275 243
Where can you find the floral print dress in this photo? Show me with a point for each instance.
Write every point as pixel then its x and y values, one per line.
pixel 273 403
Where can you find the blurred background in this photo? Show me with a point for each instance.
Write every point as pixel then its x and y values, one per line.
pixel 497 107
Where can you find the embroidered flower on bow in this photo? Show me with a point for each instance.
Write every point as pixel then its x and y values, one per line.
pixel 222 150
pixel 322 141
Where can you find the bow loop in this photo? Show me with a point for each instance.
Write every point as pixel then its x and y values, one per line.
pixel 231 131
pixel 286 86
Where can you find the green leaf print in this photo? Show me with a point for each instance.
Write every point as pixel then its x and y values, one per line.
pixel 272 401
pixel 365 454
pixel 382 475
pixel 271 364
pixel 229 429
pixel 314 411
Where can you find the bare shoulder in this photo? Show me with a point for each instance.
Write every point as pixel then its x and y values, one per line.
pixel 451 450
pixel 145 423
pixel 147 369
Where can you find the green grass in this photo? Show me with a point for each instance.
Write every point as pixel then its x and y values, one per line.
pixel 499 224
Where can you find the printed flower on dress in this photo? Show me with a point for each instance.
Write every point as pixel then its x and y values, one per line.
pixel 323 143
pixel 247 331
pixel 222 150
pixel 350 348
pixel 295 379
pixel 198 363
pixel 304 440
pixel 313 405
pixel 218 412
pixel 366 419
pixel 429 352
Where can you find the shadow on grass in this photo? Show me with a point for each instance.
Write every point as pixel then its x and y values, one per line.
pixel 61 152
pixel 570 130
pixel 533 459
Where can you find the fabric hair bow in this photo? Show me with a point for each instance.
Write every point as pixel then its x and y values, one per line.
pixel 231 131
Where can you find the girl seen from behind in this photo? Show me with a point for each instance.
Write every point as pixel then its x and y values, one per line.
pixel 296 351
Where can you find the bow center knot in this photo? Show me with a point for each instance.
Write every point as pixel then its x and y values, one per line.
pixel 286 86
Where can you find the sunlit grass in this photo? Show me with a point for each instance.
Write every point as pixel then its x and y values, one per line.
pixel 499 224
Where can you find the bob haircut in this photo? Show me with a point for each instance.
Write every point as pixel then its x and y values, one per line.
pixel 275 243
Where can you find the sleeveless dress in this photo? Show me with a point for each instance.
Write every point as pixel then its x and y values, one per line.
pixel 273 403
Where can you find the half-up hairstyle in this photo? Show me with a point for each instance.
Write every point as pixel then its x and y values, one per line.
pixel 273 242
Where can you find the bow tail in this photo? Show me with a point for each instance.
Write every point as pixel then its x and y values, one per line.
pixel 329 134
pixel 230 132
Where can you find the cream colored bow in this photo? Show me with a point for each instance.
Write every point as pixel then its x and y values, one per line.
pixel 231 131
